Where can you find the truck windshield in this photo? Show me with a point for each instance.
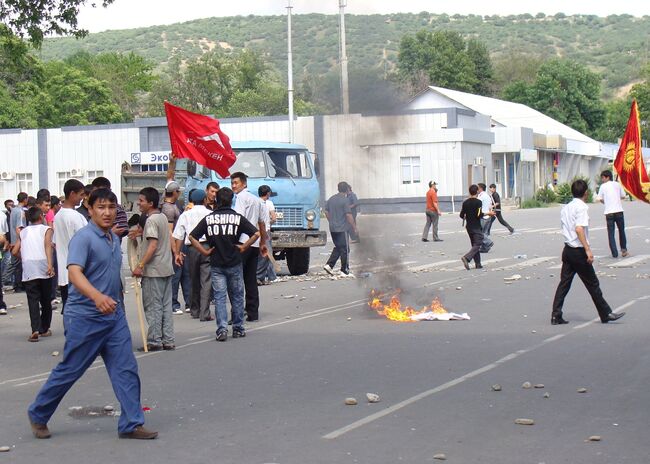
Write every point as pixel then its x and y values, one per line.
pixel 251 163
pixel 291 164
pixel 281 164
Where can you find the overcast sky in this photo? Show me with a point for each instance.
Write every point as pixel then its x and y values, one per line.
pixel 127 14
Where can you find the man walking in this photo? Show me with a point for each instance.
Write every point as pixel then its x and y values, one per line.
pixel 487 213
pixel 471 213
pixel 496 207
pixel 577 257
pixel 610 194
pixel 250 206
pixel 95 325
pixel 339 216
pixel 432 212
pixel 155 268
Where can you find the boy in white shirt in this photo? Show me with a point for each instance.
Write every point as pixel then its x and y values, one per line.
pixel 610 194
pixel 34 245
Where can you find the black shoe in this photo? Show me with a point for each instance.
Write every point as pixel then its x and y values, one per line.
pixel 252 319
pixel 465 262
pixel 151 348
pixel 238 333
pixel 230 322
pixel 222 335
pixel 438 240
pixel 169 347
pixel 612 317
pixel 425 239
pixel 479 267
pixel 558 320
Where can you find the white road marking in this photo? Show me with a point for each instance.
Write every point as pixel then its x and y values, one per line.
pixel 629 262
pixel 527 263
pixel 445 386
pixel 425 267
pixel 484 262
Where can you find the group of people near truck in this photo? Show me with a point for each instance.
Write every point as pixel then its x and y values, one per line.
pixel 221 239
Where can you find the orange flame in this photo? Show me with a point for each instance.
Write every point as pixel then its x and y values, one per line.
pixel 394 311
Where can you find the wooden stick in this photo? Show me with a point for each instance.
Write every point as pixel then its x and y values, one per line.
pixel 276 265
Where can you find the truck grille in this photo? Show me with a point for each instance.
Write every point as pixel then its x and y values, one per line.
pixel 288 217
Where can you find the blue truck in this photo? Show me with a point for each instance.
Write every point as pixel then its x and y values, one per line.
pixel 291 171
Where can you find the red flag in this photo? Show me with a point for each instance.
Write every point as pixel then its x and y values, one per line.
pixel 629 162
pixel 199 138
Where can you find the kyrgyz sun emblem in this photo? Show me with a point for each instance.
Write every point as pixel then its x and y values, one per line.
pixel 630 156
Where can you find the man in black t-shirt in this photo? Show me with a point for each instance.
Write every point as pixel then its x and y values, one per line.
pixel 222 230
pixel 471 213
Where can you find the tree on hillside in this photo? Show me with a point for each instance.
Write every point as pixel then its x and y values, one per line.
pixel 445 59
pixel 617 113
pixel 566 91
pixel 37 19
pixel 514 67
pixel 223 85
pixel 127 75
pixel 641 92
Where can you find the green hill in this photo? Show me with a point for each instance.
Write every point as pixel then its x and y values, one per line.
pixel 616 46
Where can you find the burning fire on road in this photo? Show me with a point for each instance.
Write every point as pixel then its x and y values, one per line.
pixel 394 311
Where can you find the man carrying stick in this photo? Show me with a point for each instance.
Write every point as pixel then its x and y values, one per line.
pixel 95 324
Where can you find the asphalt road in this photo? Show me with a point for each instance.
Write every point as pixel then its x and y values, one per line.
pixel 277 396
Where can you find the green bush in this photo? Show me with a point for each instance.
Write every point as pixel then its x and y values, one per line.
pixel 546 195
pixel 563 193
pixel 532 203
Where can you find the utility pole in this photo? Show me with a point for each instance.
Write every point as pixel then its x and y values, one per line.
pixel 343 59
pixel 290 72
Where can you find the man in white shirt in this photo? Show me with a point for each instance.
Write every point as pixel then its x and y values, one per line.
pixel 199 265
pixel 486 210
pixel 610 194
pixel 250 206
pixel 265 269
pixel 66 223
pixel 577 257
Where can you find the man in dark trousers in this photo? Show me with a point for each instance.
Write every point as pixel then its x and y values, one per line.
pixel 95 323
pixel 339 216
pixel 577 257
pixel 251 207
pixel 496 207
pixel 471 214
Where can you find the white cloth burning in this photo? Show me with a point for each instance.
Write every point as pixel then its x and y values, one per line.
pixel 435 316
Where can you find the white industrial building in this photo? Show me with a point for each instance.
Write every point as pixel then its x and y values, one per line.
pixel 451 137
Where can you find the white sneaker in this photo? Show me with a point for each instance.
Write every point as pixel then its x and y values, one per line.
pixel 187 310
pixel 349 275
pixel 178 311
pixel 328 269
pixel 3 311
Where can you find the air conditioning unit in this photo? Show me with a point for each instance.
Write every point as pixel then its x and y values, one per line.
pixel 76 172
pixel 6 175
pixel 478 161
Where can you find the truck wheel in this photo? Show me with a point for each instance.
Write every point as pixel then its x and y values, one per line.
pixel 298 260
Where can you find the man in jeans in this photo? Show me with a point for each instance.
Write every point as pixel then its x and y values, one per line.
pixel 433 213
pixel 222 229
pixel 610 194
pixel 155 268
pixel 340 218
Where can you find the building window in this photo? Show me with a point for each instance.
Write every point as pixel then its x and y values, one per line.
pixel 154 167
pixel 24 182
pixel 410 167
pixel 92 175
pixel 62 178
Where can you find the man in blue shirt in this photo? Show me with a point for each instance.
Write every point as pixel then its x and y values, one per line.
pixel 95 324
